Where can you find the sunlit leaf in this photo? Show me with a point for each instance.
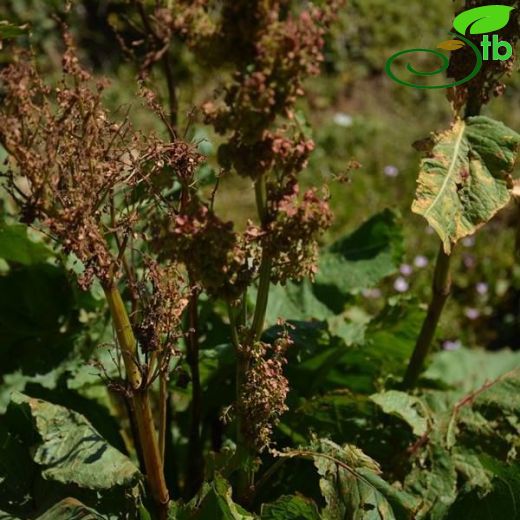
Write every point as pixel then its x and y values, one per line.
pixel 17 247
pixel 407 407
pixel 360 260
pixel 463 182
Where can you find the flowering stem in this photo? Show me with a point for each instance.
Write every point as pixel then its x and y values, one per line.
pixel 440 293
pixel 262 296
pixel 139 401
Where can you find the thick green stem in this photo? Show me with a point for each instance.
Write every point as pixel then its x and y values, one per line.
pixel 139 401
pixel 246 476
pixel 125 335
pixel 195 476
pixel 440 293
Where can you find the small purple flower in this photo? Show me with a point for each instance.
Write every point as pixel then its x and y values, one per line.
pixel 371 294
pixel 468 241
pixel 406 269
pixel 471 313
pixel 391 171
pixel 482 288
pixel 401 285
pixel 420 261
pixel 451 345
pixel 429 230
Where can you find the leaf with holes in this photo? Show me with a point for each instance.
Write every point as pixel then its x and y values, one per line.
pixel 464 181
pixel 70 450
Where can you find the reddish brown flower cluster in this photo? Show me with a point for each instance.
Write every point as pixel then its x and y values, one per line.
pixel 263 394
pixel 283 53
pixel 290 238
pixel 67 158
pixel 216 257
pixel 163 298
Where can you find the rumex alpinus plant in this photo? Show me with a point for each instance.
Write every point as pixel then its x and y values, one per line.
pixel 72 166
pixel 128 209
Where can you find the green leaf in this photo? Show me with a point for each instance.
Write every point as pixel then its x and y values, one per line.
pixel 290 507
pixel 16 246
pixel 70 509
pixel 71 451
pixel 467 445
pixel 485 19
pixel 437 487
pixel 348 484
pixel 463 182
pixel 214 503
pixel 359 260
pixel 407 407
pixel 9 30
pixel 295 301
pixel 467 369
pixel 499 502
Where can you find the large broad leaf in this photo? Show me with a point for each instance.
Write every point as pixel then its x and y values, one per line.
pixel 466 369
pixel 407 407
pixel 499 502
pixel 71 451
pixel 290 507
pixel 463 182
pixel 295 301
pixel 16 246
pixel 359 260
pixel 214 502
pixel 352 488
pixel 389 341
pixel 70 509
pixel 467 452
pixel 481 20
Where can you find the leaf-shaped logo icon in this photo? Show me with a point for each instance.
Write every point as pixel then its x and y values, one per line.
pixel 481 20
pixel 451 45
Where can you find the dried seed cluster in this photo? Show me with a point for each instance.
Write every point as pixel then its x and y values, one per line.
pixel 262 400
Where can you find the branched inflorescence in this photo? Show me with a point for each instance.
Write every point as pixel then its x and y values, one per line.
pixel 163 299
pixel 271 49
pixel 69 167
pixel 217 258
